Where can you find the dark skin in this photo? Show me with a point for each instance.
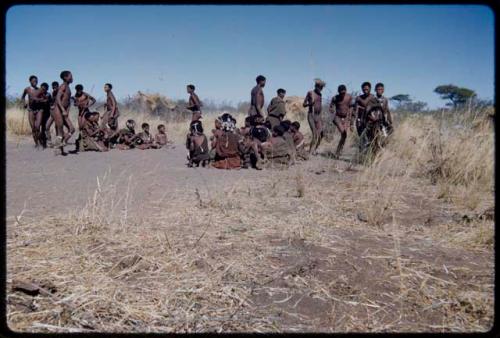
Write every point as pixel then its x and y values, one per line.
pixel 194 104
pixel 362 103
pixel 31 92
pixel 340 102
pixel 83 101
pixel 111 107
pixel 258 98
pixel 36 115
pixel 313 102
pixel 380 92
pixel 61 111
pixel 161 137
pixel 50 121
pixel 91 127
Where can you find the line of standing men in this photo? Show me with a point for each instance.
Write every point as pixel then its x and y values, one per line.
pixel 45 109
pixel 343 107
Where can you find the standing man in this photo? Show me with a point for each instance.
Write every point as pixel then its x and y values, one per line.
pixel 61 111
pixel 257 97
pixel 276 110
pixel 313 102
pixel 110 116
pixel 341 108
pixel 82 101
pixel 194 103
pixel 384 103
pixel 50 120
pixel 32 92
pixel 361 104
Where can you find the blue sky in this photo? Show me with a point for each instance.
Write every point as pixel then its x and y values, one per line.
pixel 221 49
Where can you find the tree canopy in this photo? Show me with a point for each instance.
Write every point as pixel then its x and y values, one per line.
pixel 457 95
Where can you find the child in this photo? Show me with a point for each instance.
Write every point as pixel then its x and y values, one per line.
pixel 161 138
pixel 298 140
pixel 144 139
pixel 124 138
pixel 197 144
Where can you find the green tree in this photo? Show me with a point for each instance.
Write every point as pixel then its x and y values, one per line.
pixel 457 95
pixel 400 98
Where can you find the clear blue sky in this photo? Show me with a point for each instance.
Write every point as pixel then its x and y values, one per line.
pixel 221 49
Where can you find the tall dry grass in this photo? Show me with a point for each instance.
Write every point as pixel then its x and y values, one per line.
pixel 18 124
pixel 453 152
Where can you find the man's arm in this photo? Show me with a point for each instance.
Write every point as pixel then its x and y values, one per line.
pixel 260 102
pixel 307 100
pixel 91 100
pixel 113 105
pixel 23 97
pixel 389 115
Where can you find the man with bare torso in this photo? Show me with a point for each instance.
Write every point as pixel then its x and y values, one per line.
pixel 384 104
pixel 341 108
pixel 61 112
pixel 52 106
pixel 313 102
pixel 110 117
pixel 82 101
pixel 361 104
pixel 34 111
pixel 194 103
pixel 257 97
pixel 276 110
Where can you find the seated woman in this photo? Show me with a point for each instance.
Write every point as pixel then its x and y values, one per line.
pixel 197 144
pixel 227 152
pixel 277 150
pixel 93 138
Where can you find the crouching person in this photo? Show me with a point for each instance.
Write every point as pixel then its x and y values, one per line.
pixel 197 145
pixel 124 138
pixel 277 150
pixel 93 138
pixel 227 152
pixel 298 140
pixel 145 140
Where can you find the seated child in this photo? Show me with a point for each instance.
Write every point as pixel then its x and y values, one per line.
pixel 298 140
pixel 161 138
pixel 124 138
pixel 144 139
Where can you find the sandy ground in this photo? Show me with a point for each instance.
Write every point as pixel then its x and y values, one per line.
pixel 262 257
pixel 44 184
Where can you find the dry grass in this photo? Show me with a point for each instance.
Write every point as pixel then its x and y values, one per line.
pixel 285 253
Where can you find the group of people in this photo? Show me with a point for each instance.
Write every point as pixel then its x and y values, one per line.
pixel 96 132
pixel 275 139
pixel 264 138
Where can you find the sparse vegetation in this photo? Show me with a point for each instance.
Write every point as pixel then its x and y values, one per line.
pixel 404 244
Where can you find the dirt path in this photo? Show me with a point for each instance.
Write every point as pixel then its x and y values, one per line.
pixel 163 248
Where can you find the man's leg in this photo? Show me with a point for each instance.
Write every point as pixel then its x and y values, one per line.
pixel 38 125
pixel 48 124
pixel 71 130
pixel 342 128
pixel 312 125
pixel 105 119
pixel 319 131
pixel 59 122
pixel 31 119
